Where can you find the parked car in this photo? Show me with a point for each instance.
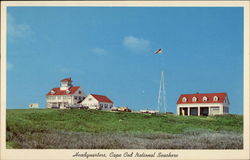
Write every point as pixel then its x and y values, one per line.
pixel 124 109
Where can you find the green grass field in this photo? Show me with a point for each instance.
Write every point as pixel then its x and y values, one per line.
pixel 48 128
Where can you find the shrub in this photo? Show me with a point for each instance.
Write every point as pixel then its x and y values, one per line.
pixel 72 140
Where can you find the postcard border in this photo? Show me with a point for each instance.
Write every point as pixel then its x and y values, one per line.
pixel 183 154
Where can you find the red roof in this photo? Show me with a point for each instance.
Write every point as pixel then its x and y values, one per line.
pixel 63 92
pixel 199 96
pixel 66 80
pixel 102 98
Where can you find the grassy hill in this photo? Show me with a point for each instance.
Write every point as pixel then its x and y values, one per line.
pixel 47 128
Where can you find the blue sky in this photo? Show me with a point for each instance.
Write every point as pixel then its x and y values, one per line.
pixel 109 51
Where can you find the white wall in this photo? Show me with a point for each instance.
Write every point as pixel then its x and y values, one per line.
pixel 64 99
pixel 56 99
pixel 109 106
pixel 73 100
pixel 202 105
pixel 34 105
pixel 91 102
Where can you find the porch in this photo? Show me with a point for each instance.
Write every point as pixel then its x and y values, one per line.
pixel 199 111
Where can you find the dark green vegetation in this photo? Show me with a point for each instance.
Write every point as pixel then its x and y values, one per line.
pixel 48 128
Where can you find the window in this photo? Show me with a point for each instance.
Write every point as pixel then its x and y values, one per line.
pixel 59 97
pixel 106 105
pixel 216 98
pixel 184 99
pixel 194 99
pixel 90 99
pixel 101 105
pixel 204 99
pixel 80 92
pixel 75 97
pixel 225 109
pixel 79 97
pixel 64 97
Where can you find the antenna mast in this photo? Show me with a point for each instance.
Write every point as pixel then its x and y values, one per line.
pixel 162 95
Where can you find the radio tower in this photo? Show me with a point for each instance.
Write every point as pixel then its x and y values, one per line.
pixel 162 95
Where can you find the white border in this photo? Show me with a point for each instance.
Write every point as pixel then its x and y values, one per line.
pixel 48 154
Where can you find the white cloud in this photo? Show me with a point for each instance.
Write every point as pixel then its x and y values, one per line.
pixel 136 44
pixel 17 31
pixel 99 51
pixel 9 66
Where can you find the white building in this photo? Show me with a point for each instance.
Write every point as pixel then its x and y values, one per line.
pixel 100 102
pixel 34 105
pixel 65 96
pixel 203 104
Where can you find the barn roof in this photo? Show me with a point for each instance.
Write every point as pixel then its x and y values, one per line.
pixel 199 96
pixel 57 91
pixel 101 98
